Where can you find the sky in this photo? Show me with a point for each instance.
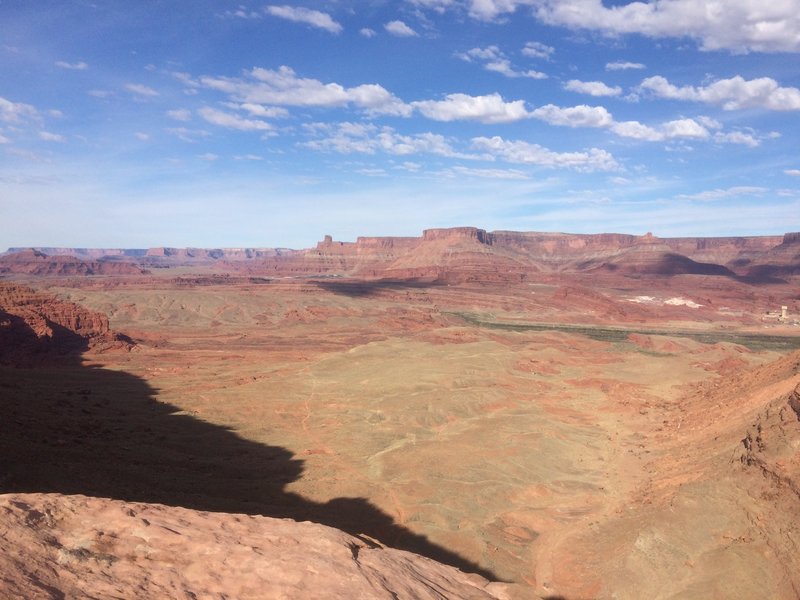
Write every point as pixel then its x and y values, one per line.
pixel 217 123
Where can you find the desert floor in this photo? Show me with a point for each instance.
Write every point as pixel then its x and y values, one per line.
pixel 582 443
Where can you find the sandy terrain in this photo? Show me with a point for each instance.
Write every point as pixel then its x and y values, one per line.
pixel 576 440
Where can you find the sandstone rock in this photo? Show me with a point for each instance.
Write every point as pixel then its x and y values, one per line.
pixel 80 547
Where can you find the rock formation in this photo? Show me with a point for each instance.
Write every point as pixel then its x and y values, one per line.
pixel 450 255
pixel 38 328
pixel 35 262
pixel 59 546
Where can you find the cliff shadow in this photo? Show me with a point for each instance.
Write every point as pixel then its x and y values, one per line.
pixel 359 288
pixel 70 428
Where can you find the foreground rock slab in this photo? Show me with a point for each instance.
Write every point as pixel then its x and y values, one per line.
pixel 58 546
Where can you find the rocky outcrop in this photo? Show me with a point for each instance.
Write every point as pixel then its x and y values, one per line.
pixel 34 262
pixel 79 547
pixel 37 328
pixel 457 254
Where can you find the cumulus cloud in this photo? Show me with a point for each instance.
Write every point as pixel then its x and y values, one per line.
pixel 792 172
pixel 462 107
pixel 259 110
pixel 141 90
pixel 521 152
pixel 538 50
pixel 284 88
pixel 494 60
pixel 314 18
pixel 736 25
pixel 636 130
pixel 599 117
pixel 737 137
pixel 574 116
pixel 399 29
pixel 367 32
pixel 731 94
pixel 593 88
pixel 78 66
pixel 684 128
pixel 349 138
pixel 141 136
pixel 676 129
pixel 232 121
pixel 623 66
pixel 490 10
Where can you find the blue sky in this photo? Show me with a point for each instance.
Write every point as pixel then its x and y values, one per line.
pixel 214 123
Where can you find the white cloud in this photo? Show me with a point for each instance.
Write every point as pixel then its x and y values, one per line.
pixel 399 29
pixel 141 90
pixel 248 157
pixel 676 129
pixel 223 119
pixel 4 139
pixel 142 136
pixel 737 137
pixel 792 172
pixel 314 18
pixel 503 67
pixel 721 194
pixel 209 156
pixel 462 107
pixel 593 88
pixel 490 10
pixel 637 131
pixel 78 66
pixel 595 159
pixel 259 110
pixel 494 60
pixel 574 116
pixel 16 112
pixel 599 117
pixel 736 25
pixel 731 94
pixel 348 138
pixel 538 50
pixel 180 114
pixel 100 93
pixel 436 5
pixel 367 32
pixel 623 66
pixel 684 128
pixel 488 53
pixel 51 137
pixel 283 87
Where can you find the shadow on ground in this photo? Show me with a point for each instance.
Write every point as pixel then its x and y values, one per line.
pixel 357 288
pixel 74 429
